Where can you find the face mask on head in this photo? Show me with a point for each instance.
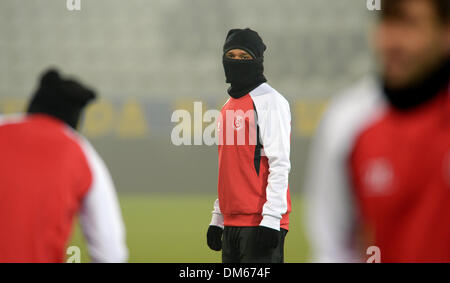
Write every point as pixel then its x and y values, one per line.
pixel 243 71
pixel 243 75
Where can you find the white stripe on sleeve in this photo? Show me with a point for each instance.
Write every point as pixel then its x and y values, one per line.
pixel 274 121
pixel 100 215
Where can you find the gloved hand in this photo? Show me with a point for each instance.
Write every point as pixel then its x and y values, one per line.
pixel 214 237
pixel 267 238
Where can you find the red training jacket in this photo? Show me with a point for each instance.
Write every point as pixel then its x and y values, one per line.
pixel 49 174
pixel 254 163
pixel 401 174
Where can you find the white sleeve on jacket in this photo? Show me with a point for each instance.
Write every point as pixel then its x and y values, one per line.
pixel 100 215
pixel 217 217
pixel 330 208
pixel 274 121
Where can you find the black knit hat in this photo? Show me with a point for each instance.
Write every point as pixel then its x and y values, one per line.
pixel 245 39
pixel 60 98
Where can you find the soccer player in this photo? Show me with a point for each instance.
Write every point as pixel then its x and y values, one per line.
pixel 251 216
pixel 49 174
pixel 380 166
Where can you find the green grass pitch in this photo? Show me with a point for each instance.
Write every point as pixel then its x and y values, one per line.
pixel 172 228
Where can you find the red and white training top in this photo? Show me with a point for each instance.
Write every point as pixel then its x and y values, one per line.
pixel 254 162
pixel 380 177
pixel 400 173
pixel 48 175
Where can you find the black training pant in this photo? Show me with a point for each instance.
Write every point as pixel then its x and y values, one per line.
pixel 239 247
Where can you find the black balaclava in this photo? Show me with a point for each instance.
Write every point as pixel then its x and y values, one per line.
pixel 421 91
pixel 244 75
pixel 60 98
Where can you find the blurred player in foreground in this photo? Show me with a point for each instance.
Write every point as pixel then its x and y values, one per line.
pixel 380 165
pixel 253 206
pixel 48 175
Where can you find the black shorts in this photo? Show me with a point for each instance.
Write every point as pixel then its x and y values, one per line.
pixel 239 247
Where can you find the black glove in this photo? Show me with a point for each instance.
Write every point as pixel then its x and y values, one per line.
pixel 214 237
pixel 267 238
